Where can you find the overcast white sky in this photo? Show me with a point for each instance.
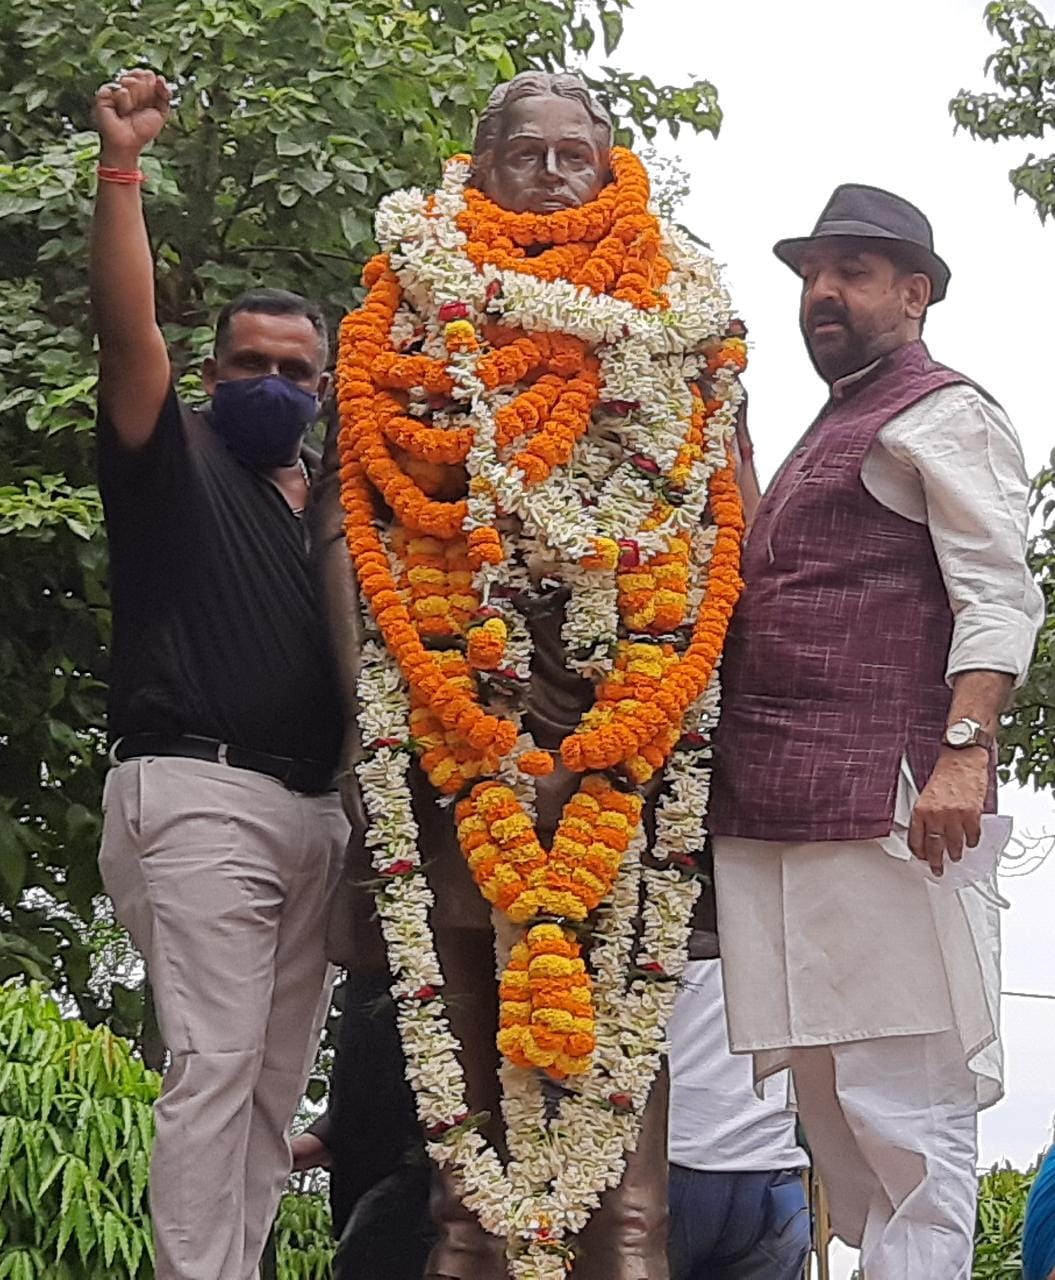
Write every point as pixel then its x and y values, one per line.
pixel 820 92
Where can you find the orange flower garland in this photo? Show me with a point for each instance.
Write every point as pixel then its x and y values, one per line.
pixel 609 246
pixel 546 1016
pixel 403 442
pixel 633 723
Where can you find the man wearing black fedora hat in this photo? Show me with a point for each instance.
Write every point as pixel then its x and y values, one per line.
pixel 887 614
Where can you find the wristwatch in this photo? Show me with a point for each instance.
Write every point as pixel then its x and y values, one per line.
pixel 966 733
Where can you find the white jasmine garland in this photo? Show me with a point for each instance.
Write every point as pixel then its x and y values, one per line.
pixel 564 1153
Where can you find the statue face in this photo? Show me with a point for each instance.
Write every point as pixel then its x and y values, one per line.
pixel 547 157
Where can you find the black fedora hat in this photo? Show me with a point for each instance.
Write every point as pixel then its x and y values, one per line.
pixel 870 213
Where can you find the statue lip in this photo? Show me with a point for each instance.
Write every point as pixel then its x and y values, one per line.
pixel 552 203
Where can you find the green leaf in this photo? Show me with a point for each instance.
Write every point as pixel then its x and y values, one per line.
pixel 612 27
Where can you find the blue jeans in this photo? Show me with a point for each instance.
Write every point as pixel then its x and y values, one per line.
pixel 737 1226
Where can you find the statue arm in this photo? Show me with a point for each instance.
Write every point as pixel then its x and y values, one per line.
pixel 747 477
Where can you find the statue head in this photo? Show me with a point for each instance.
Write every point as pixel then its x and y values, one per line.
pixel 542 144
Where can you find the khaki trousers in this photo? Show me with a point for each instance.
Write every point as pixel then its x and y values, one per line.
pixel 223 878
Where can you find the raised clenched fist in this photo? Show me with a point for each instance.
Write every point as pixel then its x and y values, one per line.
pixel 129 114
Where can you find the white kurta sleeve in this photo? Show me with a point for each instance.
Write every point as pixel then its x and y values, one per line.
pixel 954 461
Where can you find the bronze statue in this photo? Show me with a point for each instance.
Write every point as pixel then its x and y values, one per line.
pixel 534 480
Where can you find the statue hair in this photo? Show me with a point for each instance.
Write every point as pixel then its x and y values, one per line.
pixel 538 84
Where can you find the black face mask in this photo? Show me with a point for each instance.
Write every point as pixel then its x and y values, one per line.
pixel 262 420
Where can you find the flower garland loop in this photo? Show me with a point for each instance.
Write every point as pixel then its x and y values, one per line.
pixel 528 400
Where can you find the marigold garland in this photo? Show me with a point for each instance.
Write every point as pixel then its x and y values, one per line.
pixel 527 400
pixel 461 422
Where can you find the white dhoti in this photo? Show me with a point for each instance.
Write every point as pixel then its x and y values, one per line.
pixel 880 990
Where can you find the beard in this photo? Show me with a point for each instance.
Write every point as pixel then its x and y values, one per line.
pixel 835 345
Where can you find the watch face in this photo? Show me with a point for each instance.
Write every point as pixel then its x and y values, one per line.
pixel 959 734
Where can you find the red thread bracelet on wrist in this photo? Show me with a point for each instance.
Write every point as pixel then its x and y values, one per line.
pixel 122 177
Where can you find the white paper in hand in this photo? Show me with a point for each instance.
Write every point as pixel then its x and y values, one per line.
pixel 977 865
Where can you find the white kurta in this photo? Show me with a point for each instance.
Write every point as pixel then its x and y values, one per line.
pixel 838 941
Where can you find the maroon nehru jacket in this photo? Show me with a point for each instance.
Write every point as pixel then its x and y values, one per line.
pixel 834 668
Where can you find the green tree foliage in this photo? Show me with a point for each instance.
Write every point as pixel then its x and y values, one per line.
pixel 303 1241
pixel 1024 106
pixel 1028 736
pixel 1023 68
pixel 76 1125
pixel 75 1133
pixel 1002 1195
pixel 294 117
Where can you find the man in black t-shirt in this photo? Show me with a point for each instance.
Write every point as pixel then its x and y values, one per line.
pixel 222 831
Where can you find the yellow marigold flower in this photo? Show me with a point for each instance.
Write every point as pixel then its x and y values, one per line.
pixel 546 935
pixel 506 875
pixel 635 582
pixel 605 554
pixel 514 1040
pixel 610 855
pixel 568 847
pixel 483 854
pixel 577 827
pixel 639 769
pixel 589 881
pixel 614 819
pixel 566 904
pixel 422 575
pixel 555 1019
pixel 639 649
pixel 430 607
pixel 552 967
pixel 529 851
pixel 539 1057
pixel 587 801
pixel 444 770
pixel 568 1066
pixel 463 600
pixel 506 828
pixel 459 331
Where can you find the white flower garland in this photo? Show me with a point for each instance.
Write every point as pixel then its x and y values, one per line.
pixel 563 1155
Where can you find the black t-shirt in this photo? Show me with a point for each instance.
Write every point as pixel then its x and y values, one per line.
pixel 217 627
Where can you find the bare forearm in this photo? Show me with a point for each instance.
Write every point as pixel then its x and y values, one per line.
pixel 980 696
pixel 134 369
pixel 949 810
pixel 121 267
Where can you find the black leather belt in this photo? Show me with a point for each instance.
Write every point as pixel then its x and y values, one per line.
pixel 309 776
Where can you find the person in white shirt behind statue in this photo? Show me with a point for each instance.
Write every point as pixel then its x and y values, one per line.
pixel 737 1200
